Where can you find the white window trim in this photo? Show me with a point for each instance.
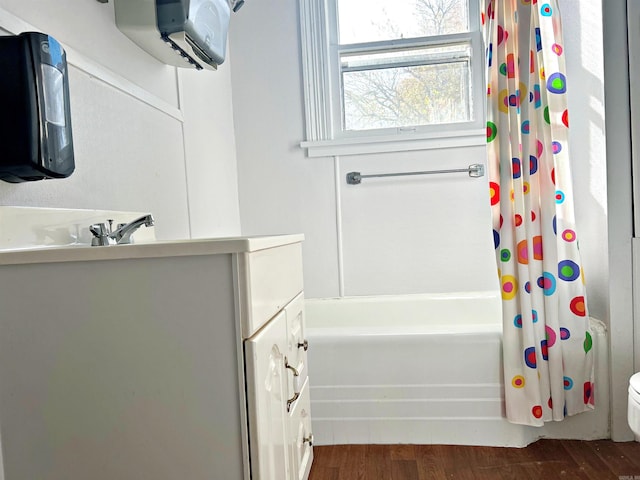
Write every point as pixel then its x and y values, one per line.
pixel 313 30
pixel 395 143
pixel 320 103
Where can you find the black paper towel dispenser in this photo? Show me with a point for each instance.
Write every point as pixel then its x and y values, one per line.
pixel 35 124
pixel 183 33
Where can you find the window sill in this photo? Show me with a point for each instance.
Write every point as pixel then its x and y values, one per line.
pixel 394 143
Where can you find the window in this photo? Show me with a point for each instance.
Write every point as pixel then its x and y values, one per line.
pixel 385 75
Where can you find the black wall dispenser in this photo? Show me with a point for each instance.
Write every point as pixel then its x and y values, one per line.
pixel 35 117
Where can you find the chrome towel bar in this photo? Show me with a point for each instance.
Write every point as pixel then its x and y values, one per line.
pixel 475 170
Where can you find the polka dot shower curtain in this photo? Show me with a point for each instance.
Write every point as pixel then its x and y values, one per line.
pixel 547 346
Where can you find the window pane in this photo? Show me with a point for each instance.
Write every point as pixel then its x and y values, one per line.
pixel 407 96
pixel 363 21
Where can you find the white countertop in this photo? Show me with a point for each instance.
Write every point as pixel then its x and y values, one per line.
pixel 34 227
pixel 173 248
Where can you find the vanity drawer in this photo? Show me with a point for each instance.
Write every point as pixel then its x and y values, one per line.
pixel 296 342
pixel 269 279
pixel 300 441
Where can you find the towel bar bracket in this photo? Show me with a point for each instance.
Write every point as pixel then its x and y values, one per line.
pixel 354 178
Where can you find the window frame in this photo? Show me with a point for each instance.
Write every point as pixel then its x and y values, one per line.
pixel 323 97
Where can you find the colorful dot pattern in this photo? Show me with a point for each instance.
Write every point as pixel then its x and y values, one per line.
pixel 547 345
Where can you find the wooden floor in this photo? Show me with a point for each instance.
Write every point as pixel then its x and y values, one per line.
pixel 545 460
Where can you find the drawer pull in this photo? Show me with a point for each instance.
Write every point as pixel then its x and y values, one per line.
pixel 308 440
pixel 293 369
pixel 291 400
pixel 304 345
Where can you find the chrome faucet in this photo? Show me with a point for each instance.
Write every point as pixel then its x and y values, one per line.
pixel 105 235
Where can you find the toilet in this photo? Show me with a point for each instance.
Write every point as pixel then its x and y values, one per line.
pixel 633 415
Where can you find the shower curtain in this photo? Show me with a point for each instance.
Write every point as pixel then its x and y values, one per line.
pixel 547 345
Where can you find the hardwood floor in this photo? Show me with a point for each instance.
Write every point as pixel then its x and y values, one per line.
pixel 544 459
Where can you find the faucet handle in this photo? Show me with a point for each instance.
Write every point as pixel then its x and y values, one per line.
pixel 100 233
pixel 98 229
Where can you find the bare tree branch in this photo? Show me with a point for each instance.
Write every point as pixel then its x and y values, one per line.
pixel 403 96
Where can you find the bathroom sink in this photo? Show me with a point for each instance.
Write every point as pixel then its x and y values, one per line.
pixel 146 249
pixel 45 235
pixel 32 228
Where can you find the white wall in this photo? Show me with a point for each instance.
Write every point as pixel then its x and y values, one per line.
pixel 619 181
pixel 416 234
pixel 583 37
pixel 146 137
pixel 210 150
pixel 405 235
pixel 280 190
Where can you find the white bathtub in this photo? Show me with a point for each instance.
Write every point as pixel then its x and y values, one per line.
pixel 423 369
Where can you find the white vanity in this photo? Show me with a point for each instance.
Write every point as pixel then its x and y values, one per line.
pixel 164 361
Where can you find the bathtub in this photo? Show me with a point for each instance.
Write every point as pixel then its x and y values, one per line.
pixel 423 369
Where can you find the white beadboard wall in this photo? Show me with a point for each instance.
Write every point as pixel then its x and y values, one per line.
pixel 147 137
